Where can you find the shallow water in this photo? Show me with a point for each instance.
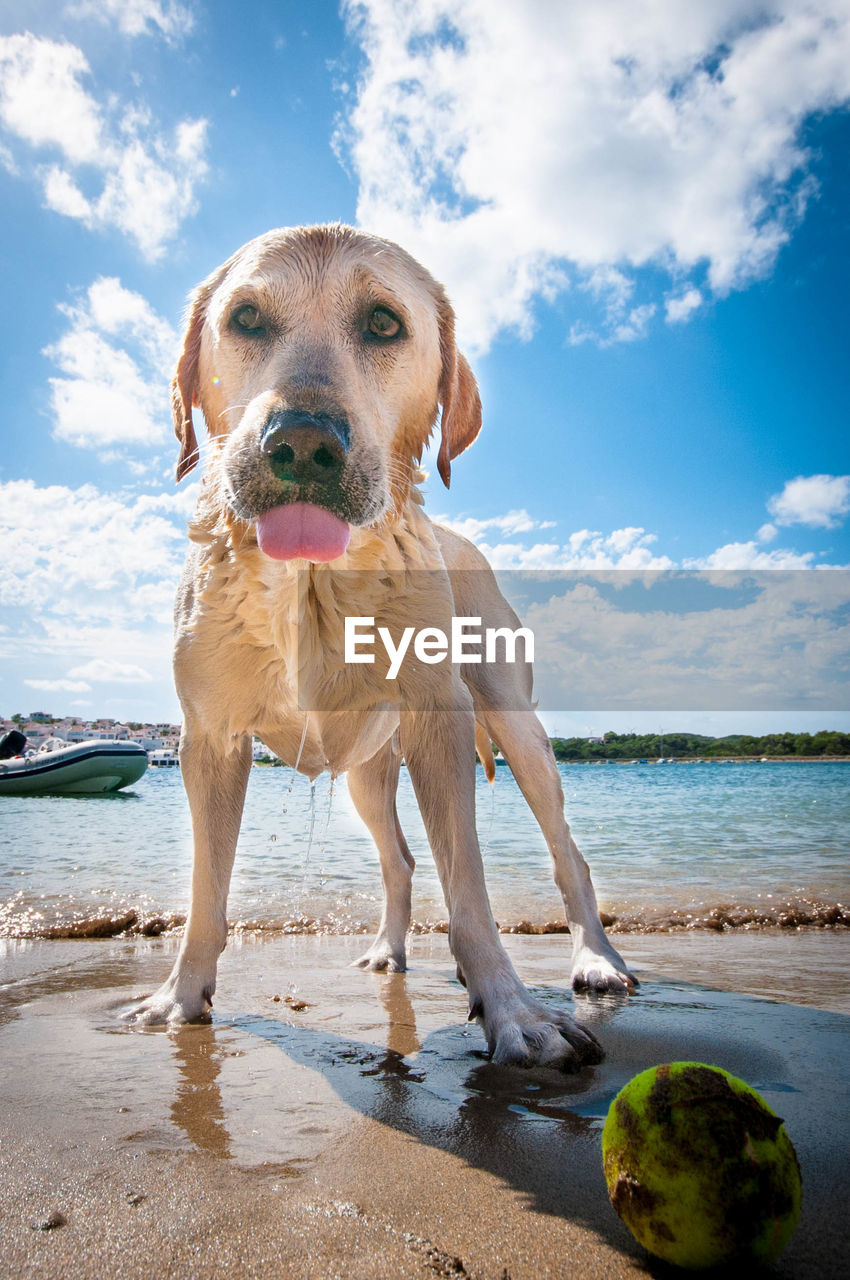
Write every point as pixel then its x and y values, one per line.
pixel 689 845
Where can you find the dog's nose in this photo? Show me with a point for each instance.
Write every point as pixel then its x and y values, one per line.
pixel 306 448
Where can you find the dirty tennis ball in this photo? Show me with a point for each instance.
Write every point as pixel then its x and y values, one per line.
pixel 699 1168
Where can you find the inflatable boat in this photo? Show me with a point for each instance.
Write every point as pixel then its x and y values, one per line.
pixel 78 768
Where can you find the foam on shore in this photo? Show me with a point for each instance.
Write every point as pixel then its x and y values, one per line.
pixel 20 919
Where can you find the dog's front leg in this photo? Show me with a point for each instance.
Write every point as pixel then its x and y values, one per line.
pixel 439 748
pixel 597 965
pixel 215 775
pixel 372 786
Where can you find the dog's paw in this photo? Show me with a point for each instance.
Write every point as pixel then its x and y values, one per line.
pixel 523 1032
pixel 175 1002
pixel 602 971
pixel 382 957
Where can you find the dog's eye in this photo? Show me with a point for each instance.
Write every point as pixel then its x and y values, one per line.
pixel 383 324
pixel 247 319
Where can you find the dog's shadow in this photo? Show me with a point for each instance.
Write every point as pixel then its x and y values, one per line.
pixel 538 1131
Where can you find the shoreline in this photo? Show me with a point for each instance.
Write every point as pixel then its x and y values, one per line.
pixel 786 918
pixel 809 967
pixel 714 760
pixel 818 759
pixel 360 1132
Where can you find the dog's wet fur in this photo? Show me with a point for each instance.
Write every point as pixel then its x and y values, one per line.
pixel 321 359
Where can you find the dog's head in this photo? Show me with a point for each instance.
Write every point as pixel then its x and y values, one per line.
pixel 318 357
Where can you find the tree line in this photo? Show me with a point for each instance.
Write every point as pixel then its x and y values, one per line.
pixel 684 746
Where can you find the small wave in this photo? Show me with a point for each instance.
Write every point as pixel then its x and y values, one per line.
pixel 720 918
pixel 128 923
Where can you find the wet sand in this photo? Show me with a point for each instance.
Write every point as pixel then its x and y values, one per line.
pixel 366 1134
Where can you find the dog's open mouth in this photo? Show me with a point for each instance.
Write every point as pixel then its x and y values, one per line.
pixel 301 529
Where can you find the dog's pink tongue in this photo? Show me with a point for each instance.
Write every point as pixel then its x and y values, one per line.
pixel 299 529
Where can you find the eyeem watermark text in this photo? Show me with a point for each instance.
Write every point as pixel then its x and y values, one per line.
pixel 431 645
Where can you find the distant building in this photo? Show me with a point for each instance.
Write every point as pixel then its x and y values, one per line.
pixel 146 740
pixel 75 733
pixel 40 726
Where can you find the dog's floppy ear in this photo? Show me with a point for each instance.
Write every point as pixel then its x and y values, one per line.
pixel 458 394
pixel 184 389
pixel 184 384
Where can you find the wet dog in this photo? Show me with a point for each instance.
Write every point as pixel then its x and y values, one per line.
pixel 321 358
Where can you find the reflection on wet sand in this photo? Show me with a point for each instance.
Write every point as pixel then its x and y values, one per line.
pixel 198 1107
pixel 441 1090
pixel 402 1036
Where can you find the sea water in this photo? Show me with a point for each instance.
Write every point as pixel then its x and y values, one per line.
pixel 673 846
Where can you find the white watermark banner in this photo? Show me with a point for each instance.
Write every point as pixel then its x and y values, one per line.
pixel 766 640
pixel 467 643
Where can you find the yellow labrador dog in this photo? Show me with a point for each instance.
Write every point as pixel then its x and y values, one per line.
pixel 319 358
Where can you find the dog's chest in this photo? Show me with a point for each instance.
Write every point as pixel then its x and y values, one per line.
pixel 261 644
pixel 271 641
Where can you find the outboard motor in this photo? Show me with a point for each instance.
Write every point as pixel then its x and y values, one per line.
pixel 12 744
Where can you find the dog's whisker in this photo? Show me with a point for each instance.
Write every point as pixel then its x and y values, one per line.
pixel 209 447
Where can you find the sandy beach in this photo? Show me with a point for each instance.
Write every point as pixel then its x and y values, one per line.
pixel 330 1123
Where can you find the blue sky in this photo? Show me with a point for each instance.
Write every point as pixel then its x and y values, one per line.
pixel 639 208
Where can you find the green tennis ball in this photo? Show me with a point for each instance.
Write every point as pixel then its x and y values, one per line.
pixel 699 1168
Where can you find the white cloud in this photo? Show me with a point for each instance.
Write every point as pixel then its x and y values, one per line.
pixel 7 160
pixel 635 324
pixel 59 686
pixel 147 179
pixel 821 502
pixel 42 101
pixel 115 309
pixel 149 189
pixel 87 582
pixel 681 308
pixel 63 195
pixel 630 548
pixel 764 640
pixel 816 501
pixel 748 555
pixel 109 670
pixel 622 322
pixel 115 359
pixel 514 147
pixel 623 549
pixel 512 522
pixel 138 17
pixel 83 557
